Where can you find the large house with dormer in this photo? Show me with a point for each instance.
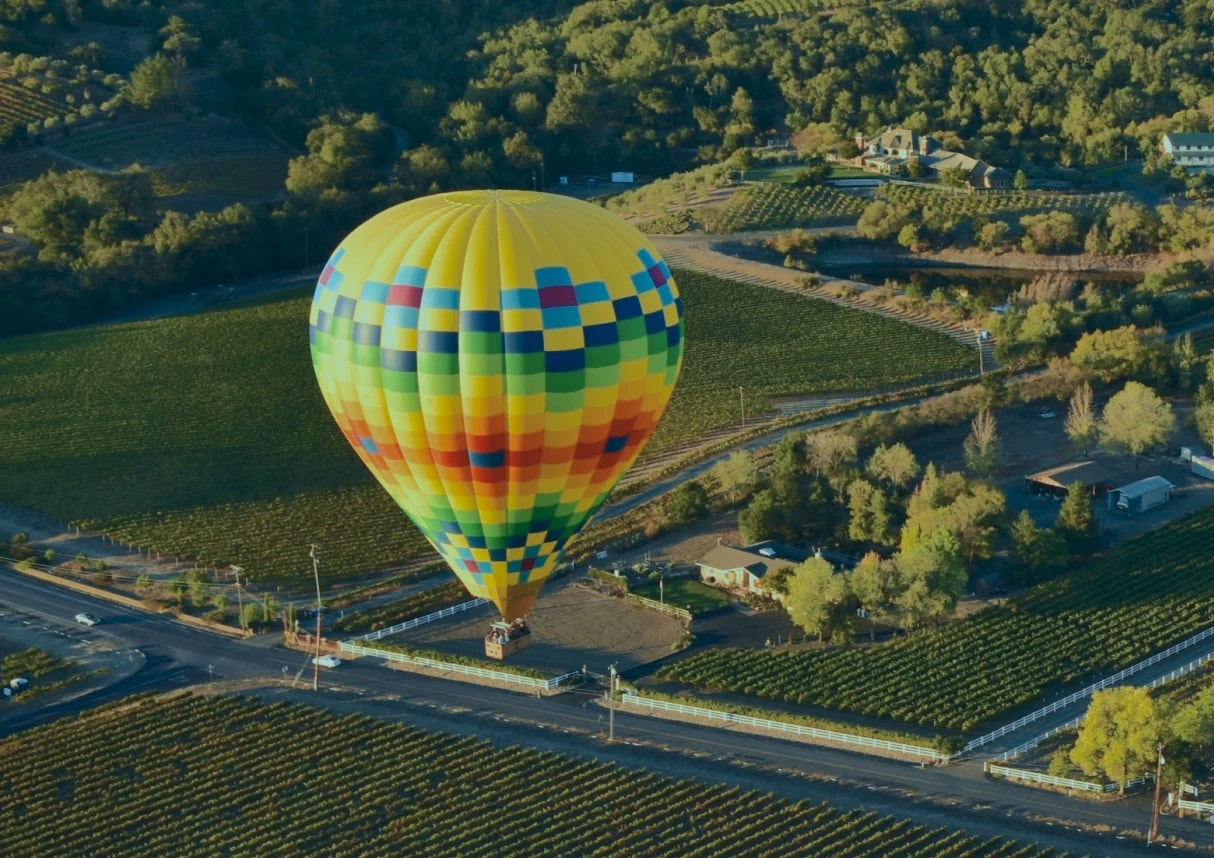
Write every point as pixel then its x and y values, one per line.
pixel 891 152
pixel 1194 152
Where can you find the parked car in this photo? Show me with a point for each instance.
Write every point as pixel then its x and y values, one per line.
pixel 19 683
pixel 87 619
pixel 1048 414
pixel 327 660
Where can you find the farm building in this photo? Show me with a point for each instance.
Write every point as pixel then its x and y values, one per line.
pixel 1141 496
pixel 745 568
pixel 1054 482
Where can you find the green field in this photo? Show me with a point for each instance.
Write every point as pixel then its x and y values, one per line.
pixel 685 593
pixel 780 206
pixel 236 175
pixel 206 776
pixel 202 436
pixel 1140 598
pixel 205 436
pixel 774 343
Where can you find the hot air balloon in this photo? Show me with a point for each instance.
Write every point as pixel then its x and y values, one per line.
pixel 497 359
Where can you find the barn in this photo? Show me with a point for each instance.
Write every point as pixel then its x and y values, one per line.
pixel 1054 482
pixel 1140 496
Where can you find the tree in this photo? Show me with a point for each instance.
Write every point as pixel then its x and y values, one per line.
pixel 1020 181
pixel 829 450
pixel 1135 420
pixel 955 177
pixel 896 465
pixel 178 587
pixel 881 221
pixel 1194 721
pixel 869 518
pixel 1036 550
pixel 1125 352
pixel 876 585
pixel 143 583
pixel 735 474
pixel 1076 523
pixel 1080 422
pixel 250 614
pixel 1203 421
pixel 818 598
pixel 932 577
pixel 1119 735
pixel 982 445
pixel 688 503
pixel 153 83
pixel 761 519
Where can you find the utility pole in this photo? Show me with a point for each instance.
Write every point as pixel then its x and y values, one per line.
pixel 1158 782
pixel 742 400
pixel 611 681
pixel 316 658
pixel 239 599
pixel 533 187
pixel 981 356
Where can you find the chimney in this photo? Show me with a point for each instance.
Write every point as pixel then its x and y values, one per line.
pixel 860 140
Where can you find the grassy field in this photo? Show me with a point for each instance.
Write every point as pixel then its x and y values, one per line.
pixel 779 206
pixel 1138 599
pixel 773 343
pixel 205 436
pixel 685 593
pixel 221 775
pixel 238 175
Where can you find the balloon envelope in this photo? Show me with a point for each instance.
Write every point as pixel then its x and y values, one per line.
pixel 497 359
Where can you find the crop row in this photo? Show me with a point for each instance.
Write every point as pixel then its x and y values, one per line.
pixel 432 599
pixel 212 776
pixel 1139 599
pixel 20 104
pixel 778 206
pixel 164 142
pixel 990 203
pixel 199 436
pixel 205 436
pixel 772 343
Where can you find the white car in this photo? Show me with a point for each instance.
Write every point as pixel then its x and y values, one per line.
pixel 1047 414
pixel 87 619
pixel 327 660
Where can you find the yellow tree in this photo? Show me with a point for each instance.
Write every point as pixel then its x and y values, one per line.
pixel 1118 736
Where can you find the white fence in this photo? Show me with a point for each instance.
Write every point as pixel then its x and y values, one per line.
pixel 729 718
pixel 1066 783
pixel 1087 692
pixel 1198 806
pixel 352 648
pixel 421 621
pixel 654 605
pixel 1184 670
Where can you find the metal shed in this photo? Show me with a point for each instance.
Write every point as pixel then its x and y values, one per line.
pixel 1141 495
pixel 1054 481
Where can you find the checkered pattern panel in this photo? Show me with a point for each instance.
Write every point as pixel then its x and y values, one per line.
pixel 498 360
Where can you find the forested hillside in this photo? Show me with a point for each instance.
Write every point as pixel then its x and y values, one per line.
pixel 387 100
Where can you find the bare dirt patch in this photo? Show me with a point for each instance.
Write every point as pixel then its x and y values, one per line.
pixel 572 626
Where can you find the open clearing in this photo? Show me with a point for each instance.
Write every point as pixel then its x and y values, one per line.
pixel 572 625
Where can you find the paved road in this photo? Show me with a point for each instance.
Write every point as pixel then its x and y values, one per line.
pixel 957 795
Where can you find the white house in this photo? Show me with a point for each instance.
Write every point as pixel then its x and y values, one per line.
pixel 1194 152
